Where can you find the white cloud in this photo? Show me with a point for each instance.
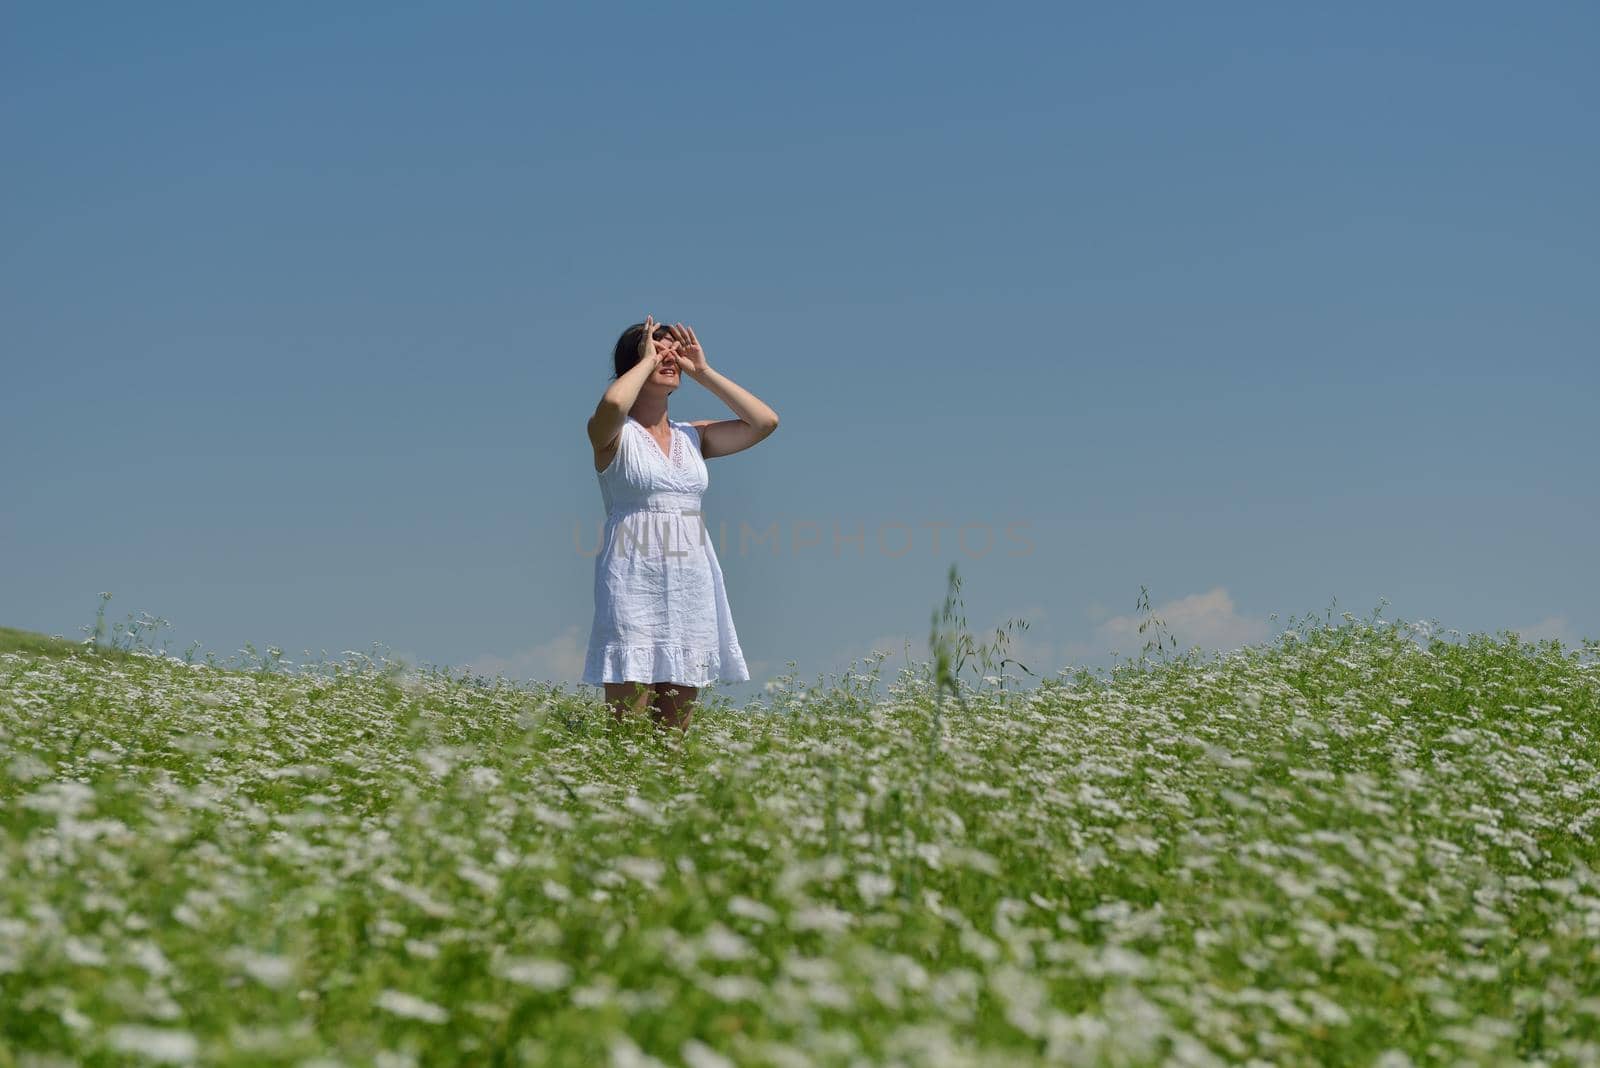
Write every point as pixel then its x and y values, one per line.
pixel 1024 646
pixel 558 660
pixel 843 657
pixel 1027 646
pixel 895 644
pixel 1209 620
pixel 1557 627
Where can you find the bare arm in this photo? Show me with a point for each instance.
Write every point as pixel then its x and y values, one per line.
pixel 724 437
pixel 617 401
pixel 746 405
pixel 756 420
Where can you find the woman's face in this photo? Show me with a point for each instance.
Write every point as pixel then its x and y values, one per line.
pixel 666 372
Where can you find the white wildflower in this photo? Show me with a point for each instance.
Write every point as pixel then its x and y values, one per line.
pixel 485 881
pixel 265 968
pixel 410 1007
pixel 720 943
pixel 154 1043
pixel 646 870
pixel 538 973
pixel 697 1054
pixel 750 909
pixel 626 1054
pixel 872 886
pixel 821 918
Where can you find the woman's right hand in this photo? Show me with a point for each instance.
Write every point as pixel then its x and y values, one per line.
pixel 647 343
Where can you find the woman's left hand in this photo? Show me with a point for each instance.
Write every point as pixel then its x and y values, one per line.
pixel 691 357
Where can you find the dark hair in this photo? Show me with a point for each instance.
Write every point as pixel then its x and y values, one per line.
pixel 626 354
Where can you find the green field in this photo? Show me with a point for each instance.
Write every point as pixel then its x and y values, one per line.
pixel 1349 846
pixel 28 642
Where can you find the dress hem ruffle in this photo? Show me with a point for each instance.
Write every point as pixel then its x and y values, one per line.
pixel 663 663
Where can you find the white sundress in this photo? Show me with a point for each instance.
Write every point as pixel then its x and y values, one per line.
pixel 660 608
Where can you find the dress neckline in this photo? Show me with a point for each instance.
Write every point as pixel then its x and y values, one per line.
pixel 671 453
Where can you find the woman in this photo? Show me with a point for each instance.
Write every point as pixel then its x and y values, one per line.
pixel 662 627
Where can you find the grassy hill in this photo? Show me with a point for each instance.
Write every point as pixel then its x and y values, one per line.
pixel 30 642
pixel 1343 847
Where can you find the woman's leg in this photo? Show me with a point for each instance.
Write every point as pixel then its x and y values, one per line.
pixel 673 704
pixel 628 698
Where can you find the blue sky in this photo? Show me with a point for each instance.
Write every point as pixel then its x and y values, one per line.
pixel 305 308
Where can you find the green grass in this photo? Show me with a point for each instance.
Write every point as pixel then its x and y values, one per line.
pixel 32 643
pixel 1346 847
pixel 29 642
